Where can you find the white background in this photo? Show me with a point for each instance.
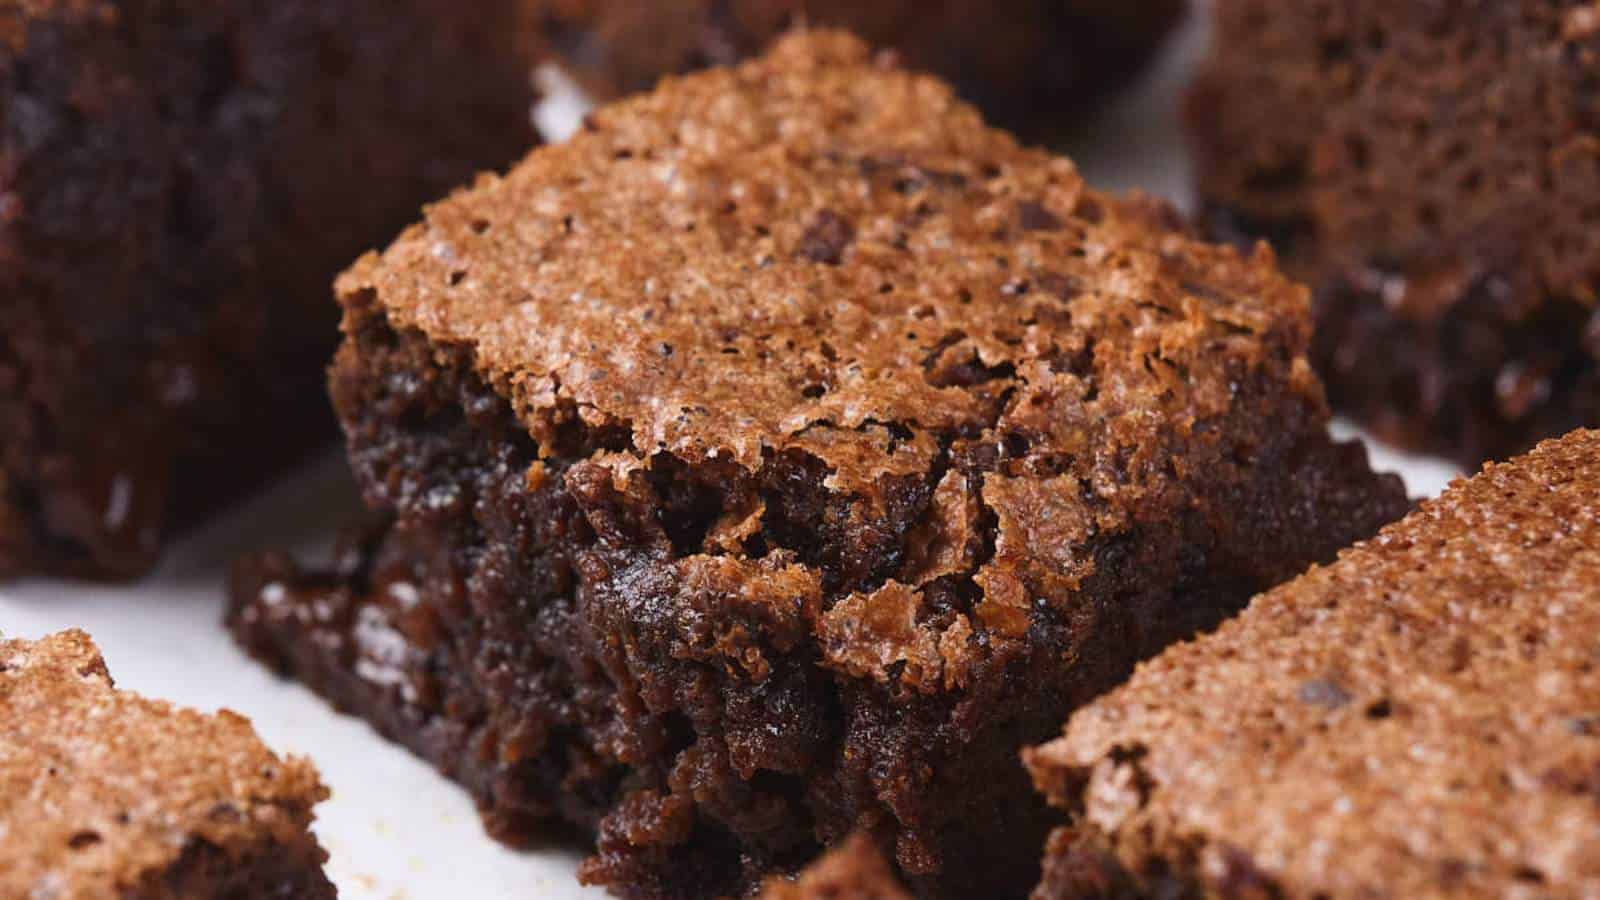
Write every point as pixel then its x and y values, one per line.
pixel 393 827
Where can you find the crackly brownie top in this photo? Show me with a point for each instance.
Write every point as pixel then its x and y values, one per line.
pixel 1421 718
pixel 100 787
pixel 817 246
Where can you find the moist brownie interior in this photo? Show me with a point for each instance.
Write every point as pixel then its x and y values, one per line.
pixel 1416 720
pixel 1433 171
pixel 777 457
pixel 107 794
pixel 181 182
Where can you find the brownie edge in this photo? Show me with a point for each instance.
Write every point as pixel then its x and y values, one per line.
pixel 775 458
pixel 107 794
pixel 1418 719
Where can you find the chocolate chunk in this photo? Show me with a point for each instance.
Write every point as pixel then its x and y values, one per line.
pixel 826 240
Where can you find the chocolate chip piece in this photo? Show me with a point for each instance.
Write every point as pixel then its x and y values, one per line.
pixel 827 238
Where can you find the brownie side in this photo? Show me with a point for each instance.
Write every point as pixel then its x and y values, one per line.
pixel 105 793
pixel 779 456
pixel 1433 171
pixel 1414 720
pixel 181 182
pixel 1029 64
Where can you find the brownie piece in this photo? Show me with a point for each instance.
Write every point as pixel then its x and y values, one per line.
pixel 1420 719
pixel 1433 171
pixel 104 793
pixel 180 181
pixel 854 870
pixel 780 455
pixel 1029 64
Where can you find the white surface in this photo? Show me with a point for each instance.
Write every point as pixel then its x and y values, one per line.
pixel 394 828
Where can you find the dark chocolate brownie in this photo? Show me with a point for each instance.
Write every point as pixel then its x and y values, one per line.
pixel 1030 64
pixel 180 181
pixel 1433 171
pixel 104 793
pixel 854 870
pixel 1420 719
pixel 779 456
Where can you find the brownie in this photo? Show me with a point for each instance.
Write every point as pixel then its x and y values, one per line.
pixel 1420 719
pixel 1030 64
pixel 777 457
pixel 180 181
pixel 1433 171
pixel 104 793
pixel 854 870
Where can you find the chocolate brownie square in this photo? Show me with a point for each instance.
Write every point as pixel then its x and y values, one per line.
pixel 104 793
pixel 1433 171
pixel 777 457
pixel 180 181
pixel 1029 64
pixel 1420 719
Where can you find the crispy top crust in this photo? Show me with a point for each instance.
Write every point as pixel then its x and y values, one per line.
pixel 100 788
pixel 801 250
pixel 1420 719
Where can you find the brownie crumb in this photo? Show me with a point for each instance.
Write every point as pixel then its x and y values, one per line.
pixel 854 870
